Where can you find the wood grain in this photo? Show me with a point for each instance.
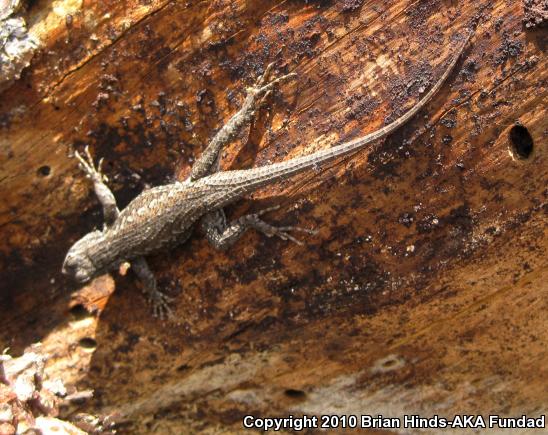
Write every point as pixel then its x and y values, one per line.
pixel 424 291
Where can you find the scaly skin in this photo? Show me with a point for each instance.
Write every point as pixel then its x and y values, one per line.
pixel 164 216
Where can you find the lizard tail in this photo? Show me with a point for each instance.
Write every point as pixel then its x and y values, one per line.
pixel 250 179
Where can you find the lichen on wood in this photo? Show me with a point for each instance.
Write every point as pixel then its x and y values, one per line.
pixel 17 46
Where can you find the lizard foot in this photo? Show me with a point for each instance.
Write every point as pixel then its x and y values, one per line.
pixel 160 304
pixel 149 286
pixel 271 230
pixel 265 84
pixel 87 165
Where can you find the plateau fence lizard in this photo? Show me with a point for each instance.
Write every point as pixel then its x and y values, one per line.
pixel 164 216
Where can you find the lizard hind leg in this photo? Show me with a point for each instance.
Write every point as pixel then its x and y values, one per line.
pixel 222 235
pixel 208 162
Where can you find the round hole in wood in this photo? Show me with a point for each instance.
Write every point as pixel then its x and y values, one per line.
pixel 88 343
pixel 79 311
pixel 295 394
pixel 521 142
pixel 44 171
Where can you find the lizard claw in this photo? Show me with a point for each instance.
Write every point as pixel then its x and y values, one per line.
pixel 266 210
pixel 282 233
pixel 271 230
pixel 161 305
pixel 264 78
pixel 264 98
pixel 87 165
pixel 264 85
pixel 270 85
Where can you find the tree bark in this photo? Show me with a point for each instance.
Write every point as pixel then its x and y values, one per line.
pixel 424 291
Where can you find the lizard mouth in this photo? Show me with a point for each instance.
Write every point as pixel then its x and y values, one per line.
pixel 66 270
pixel 75 273
pixel 81 278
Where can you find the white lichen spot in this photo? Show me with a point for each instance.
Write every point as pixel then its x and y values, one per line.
pixel 17 47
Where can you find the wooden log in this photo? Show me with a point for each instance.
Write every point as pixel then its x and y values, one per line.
pixel 424 291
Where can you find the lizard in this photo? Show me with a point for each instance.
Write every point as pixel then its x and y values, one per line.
pixel 164 216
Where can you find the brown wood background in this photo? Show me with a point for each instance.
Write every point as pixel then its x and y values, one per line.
pixel 425 289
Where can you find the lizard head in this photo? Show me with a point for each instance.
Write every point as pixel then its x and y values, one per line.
pixel 78 264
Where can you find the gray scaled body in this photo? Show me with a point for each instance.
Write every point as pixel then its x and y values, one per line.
pixel 164 216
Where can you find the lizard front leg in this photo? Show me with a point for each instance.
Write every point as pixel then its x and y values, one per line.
pixel 209 160
pixel 102 191
pixel 158 300
pixel 222 235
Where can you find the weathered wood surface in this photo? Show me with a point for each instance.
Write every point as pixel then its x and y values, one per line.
pixel 425 289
